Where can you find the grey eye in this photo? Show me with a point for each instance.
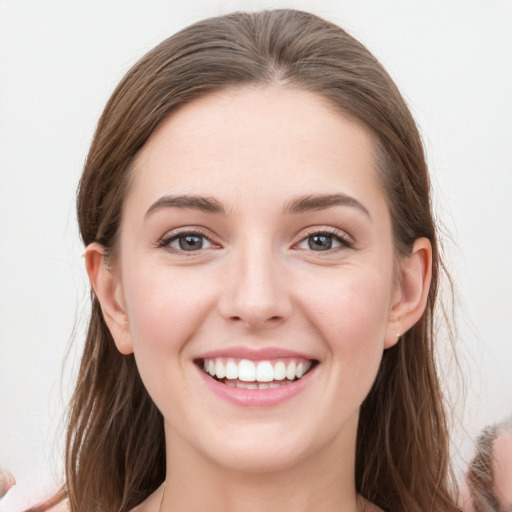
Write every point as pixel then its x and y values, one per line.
pixel 323 241
pixel 320 242
pixel 189 242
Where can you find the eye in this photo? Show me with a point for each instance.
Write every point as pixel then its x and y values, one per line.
pixel 323 241
pixel 188 242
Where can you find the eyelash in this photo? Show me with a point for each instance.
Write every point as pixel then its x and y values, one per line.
pixel 169 238
pixel 344 241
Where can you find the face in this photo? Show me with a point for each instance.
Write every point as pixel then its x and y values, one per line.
pixel 256 245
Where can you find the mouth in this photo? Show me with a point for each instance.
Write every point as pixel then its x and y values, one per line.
pixel 249 374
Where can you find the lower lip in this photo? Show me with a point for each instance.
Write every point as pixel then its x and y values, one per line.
pixel 256 397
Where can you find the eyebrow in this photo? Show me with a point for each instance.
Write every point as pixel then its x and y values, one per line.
pixel 300 204
pixel 313 202
pixel 201 203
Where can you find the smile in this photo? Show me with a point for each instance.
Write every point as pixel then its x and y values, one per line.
pixel 247 374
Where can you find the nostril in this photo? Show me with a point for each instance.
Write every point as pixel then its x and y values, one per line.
pixel 255 321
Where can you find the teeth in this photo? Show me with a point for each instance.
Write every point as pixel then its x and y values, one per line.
pixel 279 371
pixel 220 370
pixel 254 385
pixel 264 372
pixel 299 371
pixel 231 370
pixel 247 371
pixel 290 371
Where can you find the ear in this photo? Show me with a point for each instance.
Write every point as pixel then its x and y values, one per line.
pixel 415 274
pixel 106 284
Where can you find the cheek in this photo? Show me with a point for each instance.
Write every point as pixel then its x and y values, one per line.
pixel 352 317
pixel 162 321
pixel 164 311
pixel 354 308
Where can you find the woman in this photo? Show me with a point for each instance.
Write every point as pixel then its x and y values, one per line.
pixel 255 211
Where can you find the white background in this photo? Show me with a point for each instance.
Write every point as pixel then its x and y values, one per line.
pixel 60 60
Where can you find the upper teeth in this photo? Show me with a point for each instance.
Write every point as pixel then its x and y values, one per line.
pixel 256 371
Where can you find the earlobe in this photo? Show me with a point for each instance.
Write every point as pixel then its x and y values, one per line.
pixel 108 290
pixel 412 294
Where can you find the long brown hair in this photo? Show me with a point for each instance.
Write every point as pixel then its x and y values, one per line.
pixel 115 440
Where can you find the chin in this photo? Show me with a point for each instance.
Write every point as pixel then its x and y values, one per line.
pixel 265 449
pixel 259 459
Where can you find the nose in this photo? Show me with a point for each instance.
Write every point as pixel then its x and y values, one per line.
pixel 255 293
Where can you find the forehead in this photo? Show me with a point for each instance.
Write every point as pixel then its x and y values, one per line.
pixel 241 143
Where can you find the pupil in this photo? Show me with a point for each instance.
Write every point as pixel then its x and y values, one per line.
pixel 320 242
pixel 191 242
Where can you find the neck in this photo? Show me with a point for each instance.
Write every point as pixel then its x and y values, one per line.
pixel 323 483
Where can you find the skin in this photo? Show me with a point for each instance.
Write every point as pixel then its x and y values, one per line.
pixel 257 283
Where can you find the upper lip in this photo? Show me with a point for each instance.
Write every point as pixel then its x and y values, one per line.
pixel 254 354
